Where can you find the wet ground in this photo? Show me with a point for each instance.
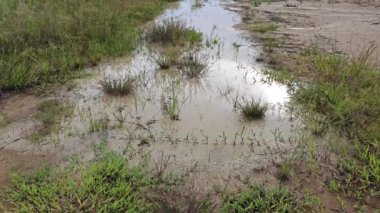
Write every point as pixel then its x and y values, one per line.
pixel 210 142
pixel 349 27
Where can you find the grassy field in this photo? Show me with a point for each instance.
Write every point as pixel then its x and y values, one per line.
pixel 49 41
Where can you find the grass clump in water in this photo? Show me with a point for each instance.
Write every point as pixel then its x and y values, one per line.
pixel 124 86
pixel 253 109
pixel 163 62
pixel 171 105
pixel 194 65
pixel 263 27
pixel 46 41
pixel 174 32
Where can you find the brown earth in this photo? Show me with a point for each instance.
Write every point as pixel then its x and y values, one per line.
pixel 336 26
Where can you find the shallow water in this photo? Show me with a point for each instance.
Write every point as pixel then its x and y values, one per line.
pixel 210 133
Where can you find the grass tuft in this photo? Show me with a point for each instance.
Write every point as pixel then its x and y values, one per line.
pixel 193 65
pixel 253 109
pixel 163 62
pixel 173 32
pixel 123 86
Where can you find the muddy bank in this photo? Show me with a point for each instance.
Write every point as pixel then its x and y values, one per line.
pixel 336 26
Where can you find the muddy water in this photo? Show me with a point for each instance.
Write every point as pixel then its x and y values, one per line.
pixel 210 139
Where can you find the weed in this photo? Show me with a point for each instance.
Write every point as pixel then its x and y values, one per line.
pixel 193 65
pixel 284 171
pixel 120 115
pixel 123 86
pixel 253 109
pixel 170 106
pixel 263 27
pixel 269 43
pixel 173 32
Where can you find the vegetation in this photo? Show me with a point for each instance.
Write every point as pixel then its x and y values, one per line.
pixel 253 109
pixel 50 113
pixel 47 41
pixel 174 32
pixel 259 199
pixel 193 65
pixel 163 62
pixel 124 86
pixel 99 124
pixel 170 105
pixel 263 27
pixel 108 184
pixel 347 92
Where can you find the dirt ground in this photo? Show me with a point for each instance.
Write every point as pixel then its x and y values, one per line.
pixel 348 27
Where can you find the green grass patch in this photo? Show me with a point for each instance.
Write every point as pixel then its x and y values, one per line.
pixel 259 199
pixel 48 41
pixel 108 184
pixel 263 27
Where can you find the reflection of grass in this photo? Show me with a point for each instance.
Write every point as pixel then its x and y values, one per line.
pixel 49 113
pixel 45 41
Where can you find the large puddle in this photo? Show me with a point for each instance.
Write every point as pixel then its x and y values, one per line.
pixel 210 134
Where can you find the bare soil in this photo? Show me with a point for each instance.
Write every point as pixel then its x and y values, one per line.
pixel 348 27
